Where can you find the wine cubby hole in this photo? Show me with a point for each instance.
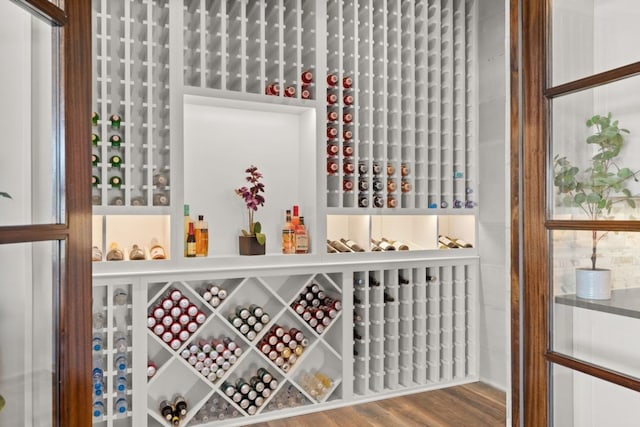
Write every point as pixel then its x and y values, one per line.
pixel 287 397
pixel 418 232
pixel 414 104
pixel 128 51
pixel 248 133
pixel 217 408
pixel 324 362
pixel 128 230
pixel 413 326
pixel 249 47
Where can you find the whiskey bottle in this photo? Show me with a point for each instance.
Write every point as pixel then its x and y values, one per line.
pixel 191 241
pixel 156 251
pixel 115 254
pixel 288 235
pixel 136 253
pixel 202 237
pixel 302 238
pixel 352 245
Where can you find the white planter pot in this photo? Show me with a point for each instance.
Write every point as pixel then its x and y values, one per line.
pixel 593 284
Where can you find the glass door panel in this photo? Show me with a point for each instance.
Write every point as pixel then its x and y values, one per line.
pixel 27 331
pixel 596 163
pixel 591 36
pixel 30 167
pixel 584 401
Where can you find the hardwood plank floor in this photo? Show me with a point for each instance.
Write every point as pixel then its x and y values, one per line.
pixel 471 405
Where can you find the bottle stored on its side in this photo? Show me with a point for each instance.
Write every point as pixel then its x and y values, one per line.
pixel 461 243
pixel 384 245
pixel 446 242
pixel 352 245
pixel 115 253
pixel 331 249
pixel 202 237
pixel 180 405
pixel 191 241
pixel 96 254
pixel 397 244
pixel 339 246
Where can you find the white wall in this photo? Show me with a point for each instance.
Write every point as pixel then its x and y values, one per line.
pixel 494 202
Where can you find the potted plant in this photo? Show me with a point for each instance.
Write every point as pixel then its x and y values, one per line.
pixel 595 190
pixel 252 241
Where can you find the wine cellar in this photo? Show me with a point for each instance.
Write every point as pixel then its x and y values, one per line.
pixel 363 114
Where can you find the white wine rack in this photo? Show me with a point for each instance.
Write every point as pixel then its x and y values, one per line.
pixel 413 327
pixel 248 46
pixel 414 116
pixel 131 69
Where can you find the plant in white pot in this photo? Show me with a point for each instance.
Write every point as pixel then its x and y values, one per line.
pixel 595 190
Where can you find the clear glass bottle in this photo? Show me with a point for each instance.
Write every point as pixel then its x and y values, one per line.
pixel 115 253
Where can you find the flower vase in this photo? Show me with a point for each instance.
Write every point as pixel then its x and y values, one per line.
pixel 248 245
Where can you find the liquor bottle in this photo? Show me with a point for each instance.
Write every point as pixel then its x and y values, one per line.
pixel 202 236
pixel 302 238
pixel 136 253
pixel 446 242
pixel 332 116
pixel 295 217
pixel 115 161
pixel 191 241
pixel 95 159
pixel 95 117
pixel 352 245
pixel 347 82
pixel 95 139
pixel 115 181
pixel 398 245
pixel 384 245
pixel 461 243
pixel 288 235
pixel 156 250
pixel 187 220
pixel 115 141
pixel 290 91
pixel 339 246
pixel 115 121
pixel 115 254
pixel 332 79
pixel 307 77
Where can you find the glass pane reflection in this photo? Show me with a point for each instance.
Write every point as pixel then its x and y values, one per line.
pixel 27 359
pixel 596 158
pixel 29 165
pixel 588 37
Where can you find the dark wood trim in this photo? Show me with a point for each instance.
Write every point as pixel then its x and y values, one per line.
pixel 74 359
pixel 596 371
pixel 592 225
pixel 515 152
pixel 33 233
pixel 534 237
pixel 45 10
pixel 595 80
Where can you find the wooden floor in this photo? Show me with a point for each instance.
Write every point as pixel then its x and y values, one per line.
pixel 471 405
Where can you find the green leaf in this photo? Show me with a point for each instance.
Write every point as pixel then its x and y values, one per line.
pixel 257 227
pixel 579 198
pixel 625 173
pixel 594 198
pixel 631 203
pixel 261 238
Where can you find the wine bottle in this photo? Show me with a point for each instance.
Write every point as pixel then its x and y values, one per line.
pixel 95 117
pixel 347 150
pixel 391 185
pixel 186 220
pixel 332 116
pixel 391 202
pixel 373 281
pixel 347 185
pixel 446 242
pixel 331 249
pixel 290 91
pixel 306 76
pixel 348 167
pixel 348 99
pixel 390 169
pixel 332 132
pixel 332 98
pixel 156 251
pixel 383 244
pixel 376 168
pixel 378 201
pixel 191 241
pixel 405 186
pixel 115 161
pixel 95 139
pixel 332 149
pixel 363 201
pixel 96 254
pixel 160 199
pixel 136 253
pixel 461 243
pixel 302 238
pixel 115 254
pixel 397 244
pixel 339 246
pixel 180 405
pixel 305 93
pixel 332 167
pixel 288 235
pixel 115 181
pixel 115 121
pixel 160 180
pixel 352 245
pixel 347 117
pixel 388 298
pixel 347 82
pixel 332 79
pixel 115 141
pixel 202 237
pixel 95 159
pixel 404 169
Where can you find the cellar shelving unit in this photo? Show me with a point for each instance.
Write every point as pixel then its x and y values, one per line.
pixel 414 116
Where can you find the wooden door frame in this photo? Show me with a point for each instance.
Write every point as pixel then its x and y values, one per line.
pixel 71 404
